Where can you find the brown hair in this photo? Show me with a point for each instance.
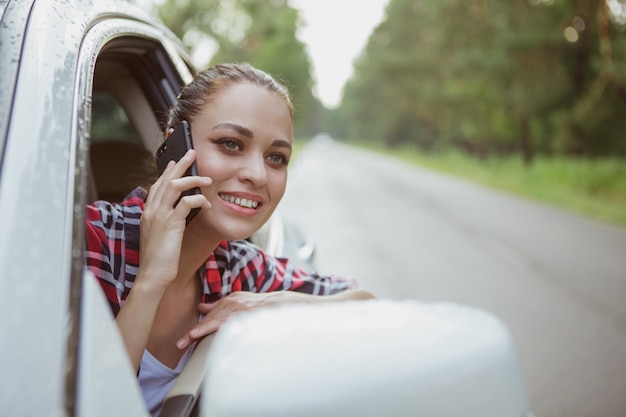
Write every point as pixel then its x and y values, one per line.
pixel 211 80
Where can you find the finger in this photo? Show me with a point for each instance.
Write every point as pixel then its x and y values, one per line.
pixel 183 164
pixel 156 185
pixel 173 170
pixel 206 308
pixel 190 202
pixel 158 190
pixel 183 342
pixel 198 332
pixel 167 191
pixel 189 182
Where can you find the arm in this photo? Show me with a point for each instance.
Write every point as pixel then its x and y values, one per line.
pixel 216 314
pixel 274 276
pixel 108 253
pixel 162 228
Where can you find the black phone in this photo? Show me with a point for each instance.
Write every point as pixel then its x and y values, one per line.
pixel 174 148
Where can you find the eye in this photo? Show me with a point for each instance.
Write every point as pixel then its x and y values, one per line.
pixel 229 144
pixel 277 159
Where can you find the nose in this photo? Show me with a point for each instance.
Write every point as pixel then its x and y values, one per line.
pixel 254 170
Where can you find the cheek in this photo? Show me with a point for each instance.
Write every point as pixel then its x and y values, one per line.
pixel 279 185
pixel 211 166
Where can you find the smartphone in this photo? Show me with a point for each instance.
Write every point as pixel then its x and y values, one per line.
pixel 174 148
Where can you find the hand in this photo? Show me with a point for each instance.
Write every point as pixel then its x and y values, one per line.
pixel 162 225
pixel 216 314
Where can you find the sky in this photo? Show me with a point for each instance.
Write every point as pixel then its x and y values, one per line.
pixel 335 32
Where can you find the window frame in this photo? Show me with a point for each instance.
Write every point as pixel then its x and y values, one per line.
pixel 102 39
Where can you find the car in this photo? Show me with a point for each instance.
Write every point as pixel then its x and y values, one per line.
pixel 84 88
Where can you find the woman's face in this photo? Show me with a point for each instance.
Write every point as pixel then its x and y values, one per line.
pixel 243 138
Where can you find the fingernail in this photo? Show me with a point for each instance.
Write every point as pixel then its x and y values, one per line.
pixel 180 344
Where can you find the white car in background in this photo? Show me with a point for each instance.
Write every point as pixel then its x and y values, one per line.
pixel 84 86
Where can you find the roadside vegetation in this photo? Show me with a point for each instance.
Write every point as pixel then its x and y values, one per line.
pixel 591 187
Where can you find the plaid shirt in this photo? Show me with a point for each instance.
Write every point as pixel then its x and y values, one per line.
pixel 112 254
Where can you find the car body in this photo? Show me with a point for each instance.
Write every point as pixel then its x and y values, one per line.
pixel 84 87
pixel 51 53
pixel 83 92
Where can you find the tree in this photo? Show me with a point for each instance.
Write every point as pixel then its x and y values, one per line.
pixel 270 42
pixel 492 77
pixel 595 123
pixel 261 33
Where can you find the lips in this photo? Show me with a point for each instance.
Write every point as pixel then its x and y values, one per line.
pixel 242 202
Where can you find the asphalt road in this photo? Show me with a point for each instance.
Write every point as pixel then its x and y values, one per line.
pixel 557 280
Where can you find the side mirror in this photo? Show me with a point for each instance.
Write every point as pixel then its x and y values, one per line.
pixel 368 358
pixel 284 239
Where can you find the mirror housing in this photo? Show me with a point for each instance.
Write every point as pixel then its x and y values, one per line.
pixel 367 358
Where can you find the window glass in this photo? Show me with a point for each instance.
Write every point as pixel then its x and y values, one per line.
pixel 119 161
pixel 109 121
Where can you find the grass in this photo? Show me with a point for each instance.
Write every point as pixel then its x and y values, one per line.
pixel 594 188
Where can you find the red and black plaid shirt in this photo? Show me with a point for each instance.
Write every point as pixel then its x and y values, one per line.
pixel 112 254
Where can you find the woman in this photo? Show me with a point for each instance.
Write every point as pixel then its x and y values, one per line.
pixel 191 279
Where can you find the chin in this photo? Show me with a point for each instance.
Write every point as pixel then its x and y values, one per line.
pixel 229 228
pixel 237 232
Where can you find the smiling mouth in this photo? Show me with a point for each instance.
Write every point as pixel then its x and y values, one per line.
pixel 243 202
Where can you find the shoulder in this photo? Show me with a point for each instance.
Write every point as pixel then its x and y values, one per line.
pixel 107 212
pixel 112 244
pixel 106 221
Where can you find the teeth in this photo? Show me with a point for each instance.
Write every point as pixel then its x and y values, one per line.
pixel 243 202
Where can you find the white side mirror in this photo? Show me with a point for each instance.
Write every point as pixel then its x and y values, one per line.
pixel 372 358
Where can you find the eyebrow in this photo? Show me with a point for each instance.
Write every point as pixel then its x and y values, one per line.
pixel 282 144
pixel 242 130
pixel 237 128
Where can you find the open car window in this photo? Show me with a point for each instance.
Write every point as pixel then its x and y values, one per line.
pixel 122 103
pixel 135 83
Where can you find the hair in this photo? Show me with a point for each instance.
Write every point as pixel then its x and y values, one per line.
pixel 211 80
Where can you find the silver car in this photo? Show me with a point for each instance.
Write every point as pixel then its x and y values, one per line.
pixel 84 88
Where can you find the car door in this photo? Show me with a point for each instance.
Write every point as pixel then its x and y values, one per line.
pixel 60 352
pixel 39 134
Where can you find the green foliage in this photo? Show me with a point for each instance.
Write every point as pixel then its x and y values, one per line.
pixel 185 16
pixel 593 187
pixel 492 77
pixel 261 33
pixel 270 43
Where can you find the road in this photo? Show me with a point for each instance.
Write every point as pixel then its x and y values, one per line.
pixel 557 280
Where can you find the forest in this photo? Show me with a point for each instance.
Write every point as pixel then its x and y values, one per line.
pixel 485 77
pixel 522 76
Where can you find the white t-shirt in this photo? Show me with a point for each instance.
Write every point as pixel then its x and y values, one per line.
pixel 156 379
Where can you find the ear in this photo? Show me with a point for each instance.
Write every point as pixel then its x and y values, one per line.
pixel 169 132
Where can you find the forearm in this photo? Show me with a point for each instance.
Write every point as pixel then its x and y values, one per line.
pixel 281 297
pixel 135 320
pixel 354 294
pixel 217 313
